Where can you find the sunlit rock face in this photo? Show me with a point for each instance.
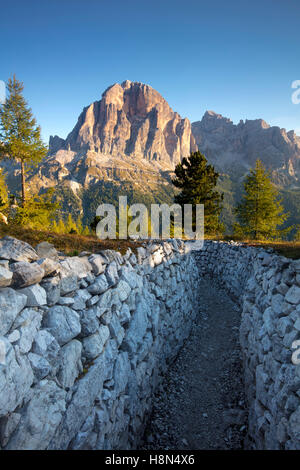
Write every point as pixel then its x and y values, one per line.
pixel 131 119
pixel 236 147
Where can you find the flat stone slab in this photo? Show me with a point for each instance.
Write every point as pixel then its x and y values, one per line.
pixel 16 250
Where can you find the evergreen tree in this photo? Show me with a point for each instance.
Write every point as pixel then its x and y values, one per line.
pixel 86 231
pixel 54 227
pixel 79 226
pixel 197 181
pixel 3 192
pixel 70 225
pixel 61 228
pixel 38 212
pixel 20 136
pixel 260 212
pixel 296 237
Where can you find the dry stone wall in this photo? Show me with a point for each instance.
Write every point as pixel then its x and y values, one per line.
pixel 85 340
pixel 267 287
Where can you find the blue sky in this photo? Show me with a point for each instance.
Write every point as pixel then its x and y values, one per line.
pixel 236 57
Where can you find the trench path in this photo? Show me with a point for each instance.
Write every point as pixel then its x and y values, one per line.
pixel 200 403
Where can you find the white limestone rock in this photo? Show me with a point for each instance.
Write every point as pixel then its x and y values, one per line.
pixel 8 425
pixel 76 264
pixel 25 274
pixel 5 276
pixel 80 299
pixel 14 336
pixel 99 286
pixel 70 363
pixel 121 372
pixel 89 387
pixel 93 345
pixel 123 290
pixel 68 284
pixel 47 250
pixel 50 266
pixel 116 330
pixel 40 366
pixel 96 263
pixel 27 323
pixel 293 295
pixel 137 327
pixel 111 273
pixel 36 295
pixel 124 314
pixel 68 301
pixel 89 321
pixel 41 419
pixel 16 250
pixel 63 323
pixel 52 287
pixel 11 303
pixel 45 345
pixel 16 378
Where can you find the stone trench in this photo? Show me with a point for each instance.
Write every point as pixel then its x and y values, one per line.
pixel 190 349
pixel 201 402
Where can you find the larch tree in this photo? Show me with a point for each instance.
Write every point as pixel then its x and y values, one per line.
pixel 20 136
pixel 260 213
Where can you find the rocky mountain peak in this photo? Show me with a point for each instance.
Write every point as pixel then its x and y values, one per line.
pixel 131 119
pixel 229 146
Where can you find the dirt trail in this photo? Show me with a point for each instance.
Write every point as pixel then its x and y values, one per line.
pixel 200 403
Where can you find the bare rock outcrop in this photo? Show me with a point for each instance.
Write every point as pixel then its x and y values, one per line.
pixel 231 147
pixel 131 119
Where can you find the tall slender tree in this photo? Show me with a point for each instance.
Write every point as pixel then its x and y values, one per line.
pixel 20 136
pixel 197 181
pixel 260 212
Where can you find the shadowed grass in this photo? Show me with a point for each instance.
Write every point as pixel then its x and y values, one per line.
pixel 70 244
pixel 73 244
pixel 287 249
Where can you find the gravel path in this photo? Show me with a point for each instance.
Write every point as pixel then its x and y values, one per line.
pixel 200 403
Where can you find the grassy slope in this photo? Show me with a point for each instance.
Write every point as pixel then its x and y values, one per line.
pixel 72 244
pixel 287 249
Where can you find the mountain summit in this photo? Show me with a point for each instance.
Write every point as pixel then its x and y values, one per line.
pixel 131 119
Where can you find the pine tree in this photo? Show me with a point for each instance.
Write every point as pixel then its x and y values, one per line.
pixel 260 212
pixel 296 237
pixel 70 225
pixel 38 212
pixel 79 226
pixel 197 181
pixel 20 136
pixel 61 228
pixel 54 227
pixel 3 192
pixel 85 231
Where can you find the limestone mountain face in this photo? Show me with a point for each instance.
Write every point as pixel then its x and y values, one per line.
pixel 236 147
pixel 128 142
pixel 131 119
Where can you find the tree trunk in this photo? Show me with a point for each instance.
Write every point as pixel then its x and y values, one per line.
pixel 23 183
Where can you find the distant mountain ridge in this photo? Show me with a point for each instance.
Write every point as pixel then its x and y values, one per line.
pixel 233 147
